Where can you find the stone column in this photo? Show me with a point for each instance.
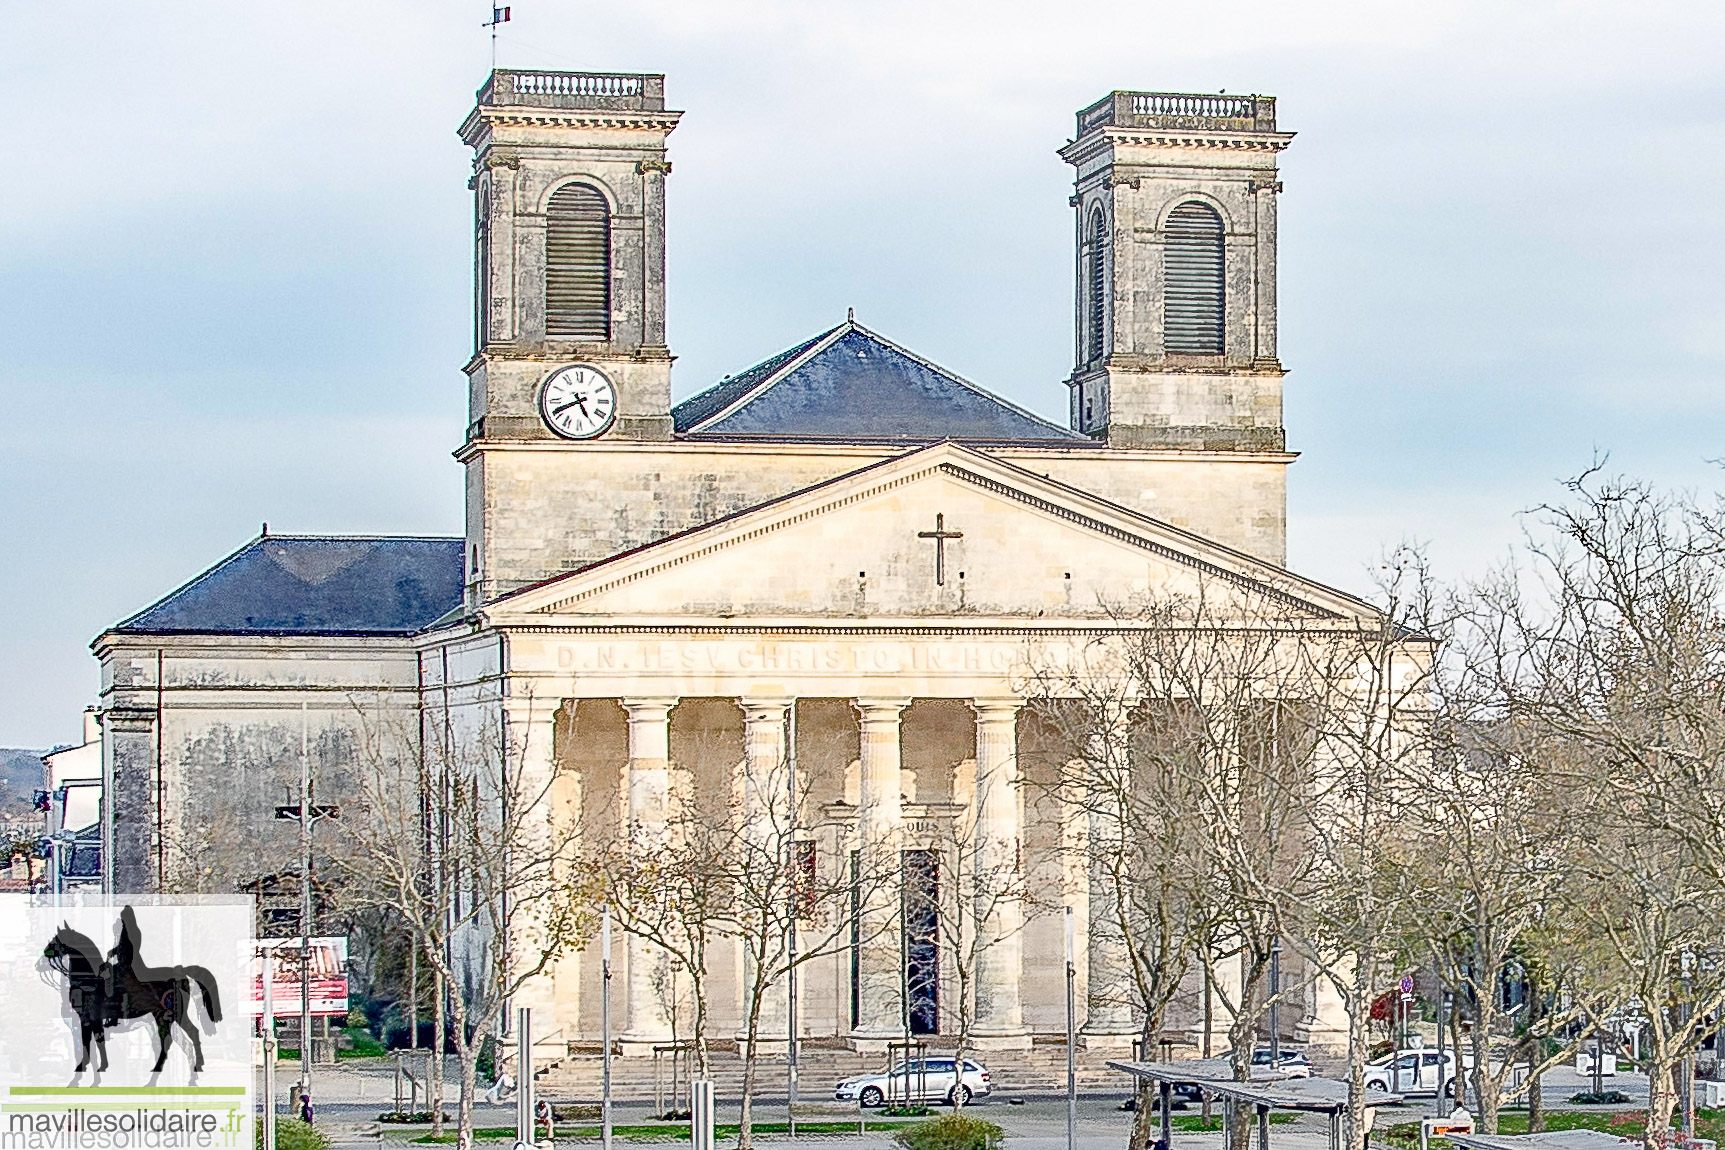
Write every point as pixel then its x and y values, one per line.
pixel 880 816
pixel 766 810
pixel 530 727
pixel 998 912
pixel 1108 1018
pixel 646 1013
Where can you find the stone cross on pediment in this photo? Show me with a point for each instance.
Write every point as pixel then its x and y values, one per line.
pixel 940 535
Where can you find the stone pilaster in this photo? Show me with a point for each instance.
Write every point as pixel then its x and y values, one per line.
pixel 999 913
pixel 880 817
pixel 130 818
pixel 530 727
pixel 647 974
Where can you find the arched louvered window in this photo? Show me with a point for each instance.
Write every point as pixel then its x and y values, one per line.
pixel 1095 288
pixel 482 268
pixel 578 264
pixel 1192 300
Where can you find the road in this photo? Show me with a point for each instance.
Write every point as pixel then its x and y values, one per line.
pixel 352 1095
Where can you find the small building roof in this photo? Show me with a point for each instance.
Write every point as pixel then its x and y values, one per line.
pixel 314 585
pixel 1267 1088
pixel 850 385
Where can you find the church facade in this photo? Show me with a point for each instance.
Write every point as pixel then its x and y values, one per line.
pixel 844 551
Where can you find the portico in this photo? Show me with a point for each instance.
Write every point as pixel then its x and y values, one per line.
pixel 692 668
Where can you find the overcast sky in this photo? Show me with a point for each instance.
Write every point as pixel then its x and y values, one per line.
pixel 234 251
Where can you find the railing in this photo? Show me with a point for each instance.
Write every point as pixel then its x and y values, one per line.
pixel 610 90
pixel 576 84
pixel 1218 113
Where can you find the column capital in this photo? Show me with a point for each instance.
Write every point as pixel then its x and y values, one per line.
pixel 122 718
pixel 881 710
pixel 766 709
pixel 530 708
pixel 648 708
pixel 996 710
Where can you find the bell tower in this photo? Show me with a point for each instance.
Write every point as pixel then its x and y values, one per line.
pixel 569 248
pixel 1175 332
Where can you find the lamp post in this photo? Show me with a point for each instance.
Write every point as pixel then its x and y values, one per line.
pixel 605 1032
pixel 1276 1002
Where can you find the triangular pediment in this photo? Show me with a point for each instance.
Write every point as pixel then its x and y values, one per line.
pixel 944 531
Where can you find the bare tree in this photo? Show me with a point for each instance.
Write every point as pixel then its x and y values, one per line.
pixel 1364 693
pixel 979 903
pixel 1195 755
pixel 1493 860
pixel 1611 644
pixel 737 868
pixel 779 885
pixel 671 884
pixel 459 833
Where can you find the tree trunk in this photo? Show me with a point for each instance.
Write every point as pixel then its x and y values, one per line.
pixel 1661 1094
pixel 1243 1038
pixel 1487 1087
pixel 1535 1095
pixel 467 1050
pixel 434 1088
pixel 1144 1131
pixel 1359 1000
pixel 746 1120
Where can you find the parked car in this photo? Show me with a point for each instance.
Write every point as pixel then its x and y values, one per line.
pixel 1293 1063
pixel 1413 1072
pixel 919 1080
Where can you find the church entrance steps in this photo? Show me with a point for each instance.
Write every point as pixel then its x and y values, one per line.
pixel 1038 1069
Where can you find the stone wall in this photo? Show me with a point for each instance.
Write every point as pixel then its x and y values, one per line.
pixel 537 512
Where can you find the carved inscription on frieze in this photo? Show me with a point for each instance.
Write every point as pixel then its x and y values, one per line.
pixel 683 657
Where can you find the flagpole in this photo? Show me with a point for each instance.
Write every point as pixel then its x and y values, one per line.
pixel 498 16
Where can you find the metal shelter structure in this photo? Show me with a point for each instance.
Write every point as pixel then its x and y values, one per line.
pixel 1549 1140
pixel 1268 1090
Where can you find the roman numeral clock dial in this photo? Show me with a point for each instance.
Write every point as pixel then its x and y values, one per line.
pixel 578 402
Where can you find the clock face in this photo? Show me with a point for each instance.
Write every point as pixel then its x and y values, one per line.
pixel 578 402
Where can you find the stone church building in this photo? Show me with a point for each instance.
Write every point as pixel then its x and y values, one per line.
pixel 845 541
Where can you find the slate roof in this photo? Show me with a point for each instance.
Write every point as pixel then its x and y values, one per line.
pixel 315 585
pixel 850 385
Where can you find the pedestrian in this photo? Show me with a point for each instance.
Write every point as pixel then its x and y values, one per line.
pixel 305 1110
pixel 543 1118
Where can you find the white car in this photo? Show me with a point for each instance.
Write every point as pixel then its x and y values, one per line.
pixel 1293 1063
pixel 1412 1072
pixel 920 1080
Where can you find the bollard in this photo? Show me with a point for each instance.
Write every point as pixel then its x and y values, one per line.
pixel 524 1075
pixel 701 1115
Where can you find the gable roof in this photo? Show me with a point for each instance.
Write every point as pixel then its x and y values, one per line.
pixel 1034 492
pixel 314 585
pixel 850 384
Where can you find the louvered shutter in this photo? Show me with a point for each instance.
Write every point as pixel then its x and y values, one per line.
pixel 1192 303
pixel 1096 290
pixel 578 264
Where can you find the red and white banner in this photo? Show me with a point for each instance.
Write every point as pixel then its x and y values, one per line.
pixel 328 962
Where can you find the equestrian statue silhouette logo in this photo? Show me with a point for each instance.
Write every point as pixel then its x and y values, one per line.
pixel 105 993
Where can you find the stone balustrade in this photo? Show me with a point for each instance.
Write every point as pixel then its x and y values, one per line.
pixel 1211 113
pixel 610 91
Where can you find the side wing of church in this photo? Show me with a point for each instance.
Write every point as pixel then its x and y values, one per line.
pixel 844 547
